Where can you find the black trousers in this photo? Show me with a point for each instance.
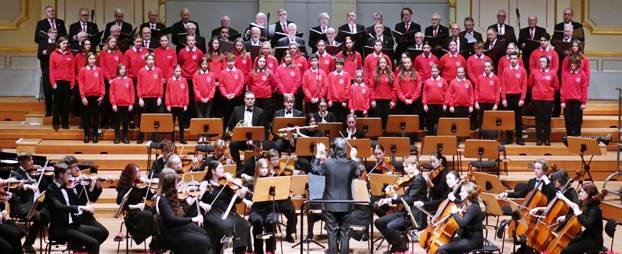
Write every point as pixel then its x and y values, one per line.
pixel 75 104
pixel 82 235
pixel 573 116
pixel 180 115
pixel 392 227
pixel 382 110
pixel 557 108
pixel 10 238
pixel 338 227
pixel 580 246
pixel 266 105
pixel 287 208
pixel 39 220
pixel 480 113
pixel 340 111
pixel 90 116
pixel 105 109
pixel 461 111
pixel 46 86
pixel 435 111
pixel 263 222
pixel 460 246
pixel 62 94
pixel 191 112
pixel 88 219
pixel 513 100
pixel 122 118
pixel 412 109
pixel 140 224
pixel 543 119
pixel 150 106
pixel 203 110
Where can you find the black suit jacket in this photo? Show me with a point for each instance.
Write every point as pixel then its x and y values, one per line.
pixel 359 28
pixel 44 25
pixel 23 200
pixel 301 44
pixel 154 33
pixel 248 45
pixel 523 35
pixel 387 31
pixel 417 191
pixel 521 191
pixel 82 193
pixel 179 31
pixel 45 58
pixel 443 31
pixel 387 41
pixel 339 175
pixel 238 115
pixel 153 44
pixel 509 36
pixel 281 113
pixel 91 29
pixel 126 29
pixel 330 117
pixel 462 45
pixel 216 32
pixel 559 28
pixel 59 210
pixel 401 27
pixel 278 29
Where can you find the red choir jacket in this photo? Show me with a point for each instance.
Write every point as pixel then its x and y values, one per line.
pixel 165 59
pixel 301 62
pixel 514 81
pixel 504 62
pixel 189 60
pixel 351 63
pixel 216 65
pixel 204 85
pixel 121 91
pixel 475 66
pixel 383 90
pixel 313 83
pixel 230 81
pixel 338 87
pixel 243 63
pixel 288 79
pixel 109 60
pixel 461 93
pixel 488 89
pixel 262 84
pixel 574 86
pixel 176 93
pixel 327 62
pixel 585 67
pixel 543 84
pixel 360 97
pixel 81 61
pixel 423 65
pixel 407 89
pixel 449 65
pixel 62 67
pixel 435 91
pixel 371 61
pixel 150 83
pixel 271 62
pixel 134 60
pixel 534 59
pixel 91 81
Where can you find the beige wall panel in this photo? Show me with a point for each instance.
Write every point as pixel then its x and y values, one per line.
pixel 23 62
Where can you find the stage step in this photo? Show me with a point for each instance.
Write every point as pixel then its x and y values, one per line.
pixel 606 121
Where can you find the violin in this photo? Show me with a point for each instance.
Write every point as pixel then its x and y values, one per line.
pixel 385 167
pixel 143 183
pixel 433 174
pixel 286 168
pixel 189 189
pixel 402 182
pixel 233 183
pixel 37 170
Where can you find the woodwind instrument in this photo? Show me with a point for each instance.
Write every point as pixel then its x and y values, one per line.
pixel 286 129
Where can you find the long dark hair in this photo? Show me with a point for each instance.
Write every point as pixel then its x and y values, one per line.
pixel 593 196
pixel 168 185
pixel 127 175
pixel 211 166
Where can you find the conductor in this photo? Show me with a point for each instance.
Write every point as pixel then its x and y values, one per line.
pixel 339 173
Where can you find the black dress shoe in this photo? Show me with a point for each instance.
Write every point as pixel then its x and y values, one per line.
pixel 139 141
pixel 116 140
pixel 94 138
pixel 56 127
pixel 520 142
pixel 183 141
pixel 65 126
pixel 547 142
pixel 539 142
pixel 29 249
pixel 86 138
pixel 289 239
pixel 125 140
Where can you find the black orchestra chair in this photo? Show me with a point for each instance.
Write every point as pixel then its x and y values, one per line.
pixel 54 244
pixel 487 248
pixel 610 230
pixel 127 236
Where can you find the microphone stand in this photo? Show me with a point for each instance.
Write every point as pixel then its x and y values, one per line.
pixel 619 145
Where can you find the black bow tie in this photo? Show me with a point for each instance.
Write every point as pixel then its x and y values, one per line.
pixel 249 110
pixel 288 112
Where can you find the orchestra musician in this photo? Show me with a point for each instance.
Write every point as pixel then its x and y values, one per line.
pixel 65 224
pixel 590 216
pixel 460 94
pixel 440 186
pixel 469 217
pixel 10 234
pixel 394 225
pixel 541 181
pixel 559 179
pixel 360 96
pixel 339 173
pixel 351 131
pixel 249 115
pixel 285 206
pixel 287 140
pixel 214 205
pixel 323 115
pixel 178 232
pixel 264 216
pixel 167 149
pixel 138 215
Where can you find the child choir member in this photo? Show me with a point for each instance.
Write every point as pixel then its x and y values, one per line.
pixel 134 58
pixel 504 62
pixel 271 61
pixel 352 60
pixel 407 85
pixel 313 84
pixel 383 95
pixel 360 96
pixel 215 59
pixel 425 61
pixel 109 59
pixel 475 63
pixel 149 89
pixel 261 82
pixel 298 58
pixel 514 87
pixel 434 99
pixel 460 94
pixel 189 58
pixel 204 82
pixel 543 82
pixel 62 80
pixel 122 100
pixel 573 92
pixel 243 59
pixel 165 57
pixel 92 90
pixel 177 98
pixel 230 86
pixel 327 61
pixel 373 59
pixel 450 61
pixel 487 92
pixel 337 91
pixel 289 78
pixel 577 50
pixel 544 50
pixel 80 58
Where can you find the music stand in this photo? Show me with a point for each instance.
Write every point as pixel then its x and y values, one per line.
pixel 156 123
pixel 499 120
pixel 458 127
pixel 371 126
pixel 299 185
pixel 582 147
pixel 284 122
pixel 377 183
pixel 444 145
pixel 248 133
pixel 488 182
pixel 205 127
pixel 402 124
pixel 330 130
pixel 395 146
pixel 271 189
pixel 363 147
pixel 306 146
pixel 480 148
pixel 359 191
